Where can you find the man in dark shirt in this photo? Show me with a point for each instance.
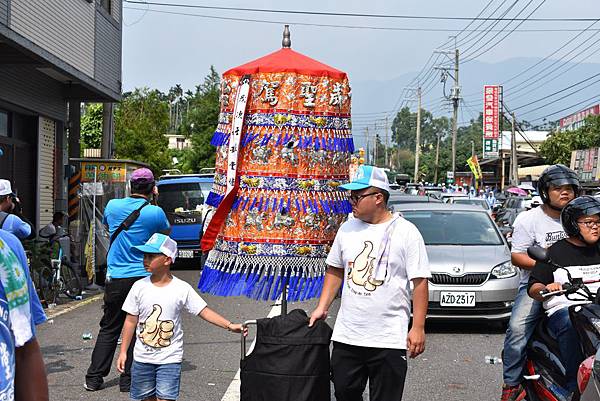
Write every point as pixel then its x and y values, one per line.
pixel 579 254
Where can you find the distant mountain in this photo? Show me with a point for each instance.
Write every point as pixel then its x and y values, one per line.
pixel 369 97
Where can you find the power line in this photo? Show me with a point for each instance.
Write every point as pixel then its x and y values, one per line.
pixel 344 26
pixel 557 92
pixel 480 53
pixel 338 14
pixel 595 99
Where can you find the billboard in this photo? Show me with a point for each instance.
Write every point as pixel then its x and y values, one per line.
pixel 576 119
pixel 492 97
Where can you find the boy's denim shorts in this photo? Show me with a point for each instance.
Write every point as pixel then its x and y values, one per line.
pixel 148 379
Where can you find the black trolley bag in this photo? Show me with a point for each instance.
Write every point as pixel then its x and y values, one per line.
pixel 290 361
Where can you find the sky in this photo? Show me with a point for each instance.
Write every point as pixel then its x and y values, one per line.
pixel 161 50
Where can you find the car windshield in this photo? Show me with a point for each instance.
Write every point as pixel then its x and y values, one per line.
pixel 477 202
pixel 445 227
pixel 182 197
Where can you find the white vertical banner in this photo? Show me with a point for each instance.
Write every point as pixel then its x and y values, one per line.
pixel 239 111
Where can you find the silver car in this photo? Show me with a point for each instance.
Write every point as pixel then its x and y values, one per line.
pixel 472 276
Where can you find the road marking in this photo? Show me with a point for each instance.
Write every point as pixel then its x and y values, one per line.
pixel 57 311
pixel 233 391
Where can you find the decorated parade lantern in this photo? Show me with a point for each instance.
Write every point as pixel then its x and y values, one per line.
pixel 283 149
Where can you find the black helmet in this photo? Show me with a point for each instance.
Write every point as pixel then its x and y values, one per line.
pixel 557 175
pixel 583 206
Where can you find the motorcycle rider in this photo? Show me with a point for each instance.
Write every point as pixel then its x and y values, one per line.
pixel 557 186
pixel 579 255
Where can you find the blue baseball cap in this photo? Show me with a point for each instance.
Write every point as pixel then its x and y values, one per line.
pixel 368 176
pixel 159 243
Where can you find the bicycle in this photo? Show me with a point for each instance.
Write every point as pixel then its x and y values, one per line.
pixel 53 276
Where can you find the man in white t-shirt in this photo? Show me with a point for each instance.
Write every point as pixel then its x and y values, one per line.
pixel 541 226
pixel 375 255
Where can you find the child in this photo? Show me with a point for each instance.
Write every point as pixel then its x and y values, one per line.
pixel 156 302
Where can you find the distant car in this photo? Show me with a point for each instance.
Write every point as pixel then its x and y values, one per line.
pixel 445 196
pixel 181 198
pixel 471 201
pixel 399 199
pixel 472 275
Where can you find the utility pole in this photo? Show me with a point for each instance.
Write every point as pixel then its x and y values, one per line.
pixel 376 145
pixel 454 96
pixel 514 170
pixel 437 158
pixel 368 146
pixel 455 100
pixel 418 138
pixel 387 143
pixel 474 180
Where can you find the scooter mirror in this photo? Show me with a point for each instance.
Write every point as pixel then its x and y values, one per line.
pixel 538 253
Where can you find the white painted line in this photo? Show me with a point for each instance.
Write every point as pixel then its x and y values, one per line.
pixel 233 391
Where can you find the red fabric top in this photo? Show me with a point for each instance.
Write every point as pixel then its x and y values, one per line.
pixel 286 60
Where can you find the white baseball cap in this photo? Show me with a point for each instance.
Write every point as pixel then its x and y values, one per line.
pixel 368 176
pixel 160 243
pixel 5 188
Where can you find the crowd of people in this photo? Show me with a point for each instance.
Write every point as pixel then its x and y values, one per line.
pixel 382 279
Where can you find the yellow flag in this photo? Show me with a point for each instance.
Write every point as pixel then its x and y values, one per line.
pixel 89 267
pixel 474 166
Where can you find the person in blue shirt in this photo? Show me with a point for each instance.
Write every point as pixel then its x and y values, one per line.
pixel 125 266
pixel 23 372
pixel 8 220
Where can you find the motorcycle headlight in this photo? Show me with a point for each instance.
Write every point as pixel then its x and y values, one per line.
pixel 504 270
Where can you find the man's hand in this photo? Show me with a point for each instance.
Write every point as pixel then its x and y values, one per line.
pixel 318 314
pixel 416 341
pixel 554 287
pixel 121 362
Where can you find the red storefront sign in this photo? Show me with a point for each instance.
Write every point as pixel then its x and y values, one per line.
pixel 491 112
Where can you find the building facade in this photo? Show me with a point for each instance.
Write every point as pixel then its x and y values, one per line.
pixel 53 56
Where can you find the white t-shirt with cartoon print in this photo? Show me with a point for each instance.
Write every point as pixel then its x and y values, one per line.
pixel 159 335
pixel 375 304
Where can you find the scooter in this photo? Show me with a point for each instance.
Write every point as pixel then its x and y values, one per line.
pixel 545 374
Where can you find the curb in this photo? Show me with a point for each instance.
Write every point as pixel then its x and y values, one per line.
pixel 61 310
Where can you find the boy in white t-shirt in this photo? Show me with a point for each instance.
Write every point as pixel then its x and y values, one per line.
pixel 154 305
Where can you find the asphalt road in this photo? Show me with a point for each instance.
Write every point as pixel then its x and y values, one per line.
pixel 452 368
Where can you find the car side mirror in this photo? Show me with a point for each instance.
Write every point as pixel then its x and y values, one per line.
pixel 538 253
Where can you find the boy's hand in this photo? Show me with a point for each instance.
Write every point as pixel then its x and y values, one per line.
pixel 237 328
pixel 415 342
pixel 121 362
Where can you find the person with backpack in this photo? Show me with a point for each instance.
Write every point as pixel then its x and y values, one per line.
pixel 131 222
pixel 9 220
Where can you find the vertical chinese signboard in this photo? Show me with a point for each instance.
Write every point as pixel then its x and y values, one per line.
pixel 492 97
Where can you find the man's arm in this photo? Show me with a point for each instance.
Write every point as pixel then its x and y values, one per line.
pixel 420 301
pixel 30 373
pixel 333 281
pixel 522 260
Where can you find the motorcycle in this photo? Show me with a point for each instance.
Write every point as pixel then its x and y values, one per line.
pixel 544 372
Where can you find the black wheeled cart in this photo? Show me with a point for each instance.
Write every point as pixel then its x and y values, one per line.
pixel 289 362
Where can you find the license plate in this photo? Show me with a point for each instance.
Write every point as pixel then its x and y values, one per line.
pixel 457 298
pixel 183 253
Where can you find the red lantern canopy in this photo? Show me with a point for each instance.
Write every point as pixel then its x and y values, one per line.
pixel 284 145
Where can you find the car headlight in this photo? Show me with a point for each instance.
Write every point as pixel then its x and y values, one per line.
pixel 504 270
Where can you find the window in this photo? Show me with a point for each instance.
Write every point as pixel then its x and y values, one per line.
pixel 107 5
pixel 180 143
pixel 3 124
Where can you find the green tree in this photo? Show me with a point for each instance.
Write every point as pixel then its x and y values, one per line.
pixel 141 121
pixel 200 122
pixel 558 146
pixel 91 126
